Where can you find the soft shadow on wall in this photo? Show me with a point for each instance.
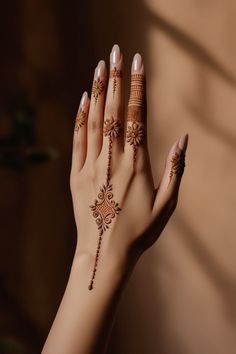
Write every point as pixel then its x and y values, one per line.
pixel 52 64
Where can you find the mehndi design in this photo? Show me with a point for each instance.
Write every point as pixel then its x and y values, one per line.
pixel 80 119
pixel 115 74
pixel 105 208
pixel 178 165
pixel 97 89
pixel 136 112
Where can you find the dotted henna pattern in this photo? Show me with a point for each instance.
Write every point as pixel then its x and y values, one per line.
pixel 80 120
pixel 105 208
pixel 115 74
pixel 178 165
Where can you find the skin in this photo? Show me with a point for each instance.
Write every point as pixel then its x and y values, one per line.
pixel 84 320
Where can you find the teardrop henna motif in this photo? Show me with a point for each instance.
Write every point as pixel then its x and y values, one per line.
pixel 178 165
pixel 105 208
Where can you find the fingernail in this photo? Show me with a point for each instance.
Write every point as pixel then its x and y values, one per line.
pixel 115 54
pixel 101 69
pixel 183 142
pixel 137 62
pixel 83 100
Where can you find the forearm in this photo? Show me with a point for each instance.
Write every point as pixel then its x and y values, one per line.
pixel 84 318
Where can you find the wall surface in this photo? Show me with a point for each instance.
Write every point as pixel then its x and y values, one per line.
pixel 181 298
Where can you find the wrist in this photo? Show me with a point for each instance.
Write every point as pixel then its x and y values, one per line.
pixel 113 267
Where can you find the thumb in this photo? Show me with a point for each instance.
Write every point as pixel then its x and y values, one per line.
pixel 174 169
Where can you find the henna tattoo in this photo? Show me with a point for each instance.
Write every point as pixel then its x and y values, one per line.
pixel 136 104
pixel 178 165
pixel 97 89
pixel 134 136
pixel 115 74
pixel 136 111
pixel 112 128
pixel 105 208
pixel 80 119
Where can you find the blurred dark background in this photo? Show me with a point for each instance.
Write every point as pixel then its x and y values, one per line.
pixel 181 299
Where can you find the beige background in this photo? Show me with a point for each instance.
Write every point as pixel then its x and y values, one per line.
pixel 181 298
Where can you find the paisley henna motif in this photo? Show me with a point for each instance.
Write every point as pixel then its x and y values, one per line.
pixel 80 120
pixel 115 74
pixel 105 208
pixel 97 89
pixel 178 165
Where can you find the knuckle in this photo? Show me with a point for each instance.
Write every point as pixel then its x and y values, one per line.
pixel 113 109
pixel 94 124
pixel 91 173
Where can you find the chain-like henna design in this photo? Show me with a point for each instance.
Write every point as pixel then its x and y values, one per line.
pixel 178 165
pixel 115 74
pixel 105 208
pixel 136 108
pixel 80 119
pixel 97 89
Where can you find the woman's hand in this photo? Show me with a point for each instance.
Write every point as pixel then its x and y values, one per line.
pixel 118 211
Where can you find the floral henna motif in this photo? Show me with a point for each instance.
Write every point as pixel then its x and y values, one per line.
pixel 80 120
pixel 178 165
pixel 112 128
pixel 97 89
pixel 115 74
pixel 105 208
pixel 134 134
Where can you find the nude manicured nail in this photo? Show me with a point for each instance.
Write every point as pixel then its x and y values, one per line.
pixel 101 69
pixel 115 54
pixel 183 142
pixel 137 63
pixel 84 99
